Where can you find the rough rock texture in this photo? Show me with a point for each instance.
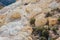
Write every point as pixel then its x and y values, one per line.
pixel 15 31
pixel 15 18
pixel 40 22
pixel 52 21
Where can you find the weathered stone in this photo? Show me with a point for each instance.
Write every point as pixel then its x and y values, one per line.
pixel 52 21
pixel 40 22
pixel 16 15
pixel 15 31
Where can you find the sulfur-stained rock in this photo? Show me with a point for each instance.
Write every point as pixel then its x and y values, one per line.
pixel 40 22
pixel 2 19
pixel 52 21
pixel 15 15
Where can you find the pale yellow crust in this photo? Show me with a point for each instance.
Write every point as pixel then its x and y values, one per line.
pixel 52 21
pixel 15 15
pixel 2 19
pixel 40 22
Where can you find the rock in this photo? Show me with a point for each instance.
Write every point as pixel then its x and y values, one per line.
pixel 28 29
pixel 29 38
pixel 14 31
pixel 52 35
pixel 52 21
pixel 44 4
pixel 40 22
pixel 16 15
pixel 33 11
pixel 54 5
pixel 2 19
